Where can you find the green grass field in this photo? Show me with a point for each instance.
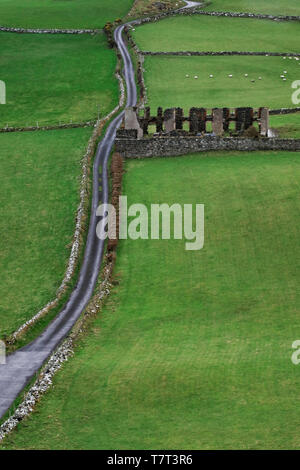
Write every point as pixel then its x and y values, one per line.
pixel 168 86
pixel 61 14
pixel 39 193
pixel 278 7
pixel 53 78
pixel 193 349
pixel 206 33
pixel 287 125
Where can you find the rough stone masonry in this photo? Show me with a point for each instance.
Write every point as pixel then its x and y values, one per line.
pixel 171 120
pixel 172 146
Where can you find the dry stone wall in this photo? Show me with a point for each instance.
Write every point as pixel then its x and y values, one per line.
pixel 284 111
pixel 171 120
pixel 172 146
pixel 48 128
pixel 248 15
pixel 195 11
pixel 219 53
pixel 48 31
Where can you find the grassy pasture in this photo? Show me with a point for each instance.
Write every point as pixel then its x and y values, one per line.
pixel 61 14
pixel 52 78
pixel 39 194
pixel 286 125
pixel 206 33
pixel 200 359
pixel 274 7
pixel 167 84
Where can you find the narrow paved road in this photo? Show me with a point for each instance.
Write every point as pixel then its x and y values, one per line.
pixel 21 366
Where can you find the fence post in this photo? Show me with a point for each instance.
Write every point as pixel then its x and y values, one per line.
pixel 217 121
pixel 159 120
pixel 169 120
pixel 263 121
pixel 146 120
pixel 226 118
pixel 179 118
pixel 2 352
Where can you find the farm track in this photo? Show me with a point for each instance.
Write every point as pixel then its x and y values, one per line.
pixel 21 365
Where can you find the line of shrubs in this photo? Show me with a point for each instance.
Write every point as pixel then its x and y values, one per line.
pixel 116 170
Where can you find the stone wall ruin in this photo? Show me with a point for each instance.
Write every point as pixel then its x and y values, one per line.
pixel 171 121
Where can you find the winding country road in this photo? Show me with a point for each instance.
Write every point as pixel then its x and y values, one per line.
pixel 21 366
pixel 191 4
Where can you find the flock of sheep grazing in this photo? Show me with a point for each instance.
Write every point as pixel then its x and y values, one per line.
pixel 282 76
